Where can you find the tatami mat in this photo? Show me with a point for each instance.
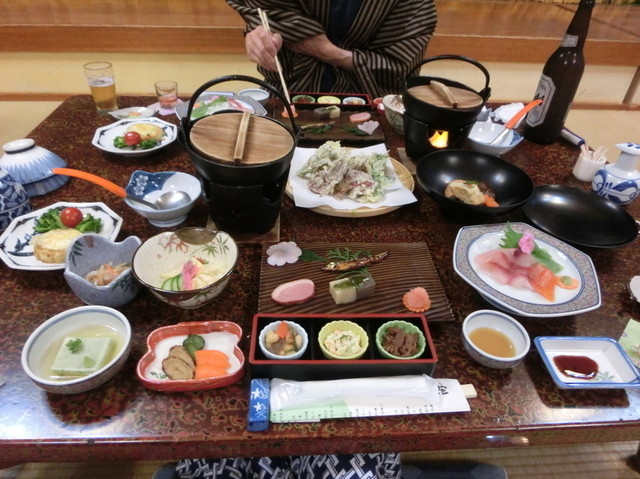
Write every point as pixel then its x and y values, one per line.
pixel 588 461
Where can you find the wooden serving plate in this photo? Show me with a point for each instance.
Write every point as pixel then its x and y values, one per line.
pixel 407 266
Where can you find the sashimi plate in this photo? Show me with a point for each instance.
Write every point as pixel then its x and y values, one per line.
pixel 614 367
pixel 471 241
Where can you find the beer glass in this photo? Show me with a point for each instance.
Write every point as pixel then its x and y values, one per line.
pixel 102 84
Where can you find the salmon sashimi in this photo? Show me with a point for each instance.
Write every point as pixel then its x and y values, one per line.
pixel 543 281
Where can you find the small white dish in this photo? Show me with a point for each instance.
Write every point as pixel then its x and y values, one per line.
pixel 614 368
pixel 484 132
pixel 15 243
pixel 133 113
pixel 474 240
pixel 104 136
pixel 259 95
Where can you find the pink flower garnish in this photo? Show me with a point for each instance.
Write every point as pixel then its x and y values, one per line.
pixel 284 252
pixel 526 243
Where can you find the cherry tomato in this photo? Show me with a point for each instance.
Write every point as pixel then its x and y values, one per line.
pixel 132 138
pixel 71 217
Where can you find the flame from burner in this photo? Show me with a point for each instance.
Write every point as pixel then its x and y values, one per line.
pixel 439 139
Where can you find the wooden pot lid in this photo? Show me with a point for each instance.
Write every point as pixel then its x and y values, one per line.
pixel 216 136
pixel 444 96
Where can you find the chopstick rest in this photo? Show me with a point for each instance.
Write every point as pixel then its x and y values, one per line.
pixel 258 419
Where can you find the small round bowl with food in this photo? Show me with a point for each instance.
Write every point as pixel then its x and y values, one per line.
pixel 98 270
pixel 400 340
pixel 187 268
pixel 151 186
pixel 343 339
pixel 133 138
pixel 495 339
pixel 283 340
pixel 394 111
pixel 77 350
pixel 484 132
pixel 473 183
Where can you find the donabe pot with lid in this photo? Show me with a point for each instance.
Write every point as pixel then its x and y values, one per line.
pixel 238 148
pixel 443 103
pixel 440 112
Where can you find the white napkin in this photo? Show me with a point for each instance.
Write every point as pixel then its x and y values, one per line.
pixel 504 113
pixel 396 195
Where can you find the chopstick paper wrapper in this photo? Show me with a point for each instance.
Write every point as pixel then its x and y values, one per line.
pixel 306 401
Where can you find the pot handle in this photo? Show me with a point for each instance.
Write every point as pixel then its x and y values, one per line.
pixel 187 123
pixel 484 93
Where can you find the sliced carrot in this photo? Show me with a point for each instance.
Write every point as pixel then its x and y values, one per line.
pixel 567 282
pixel 417 300
pixel 543 281
pixel 209 371
pixel 209 357
pixel 490 201
pixel 282 329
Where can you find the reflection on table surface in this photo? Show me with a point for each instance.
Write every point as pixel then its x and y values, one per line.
pixel 123 420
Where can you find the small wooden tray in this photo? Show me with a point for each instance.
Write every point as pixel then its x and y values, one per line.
pixel 407 266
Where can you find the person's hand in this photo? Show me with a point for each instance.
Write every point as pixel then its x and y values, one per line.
pixel 262 47
pixel 320 47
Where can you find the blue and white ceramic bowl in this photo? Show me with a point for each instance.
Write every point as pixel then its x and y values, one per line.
pixel 90 251
pixel 150 186
pixel 503 323
pixel 14 200
pixel 31 166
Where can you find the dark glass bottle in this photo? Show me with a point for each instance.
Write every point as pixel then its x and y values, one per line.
pixel 559 81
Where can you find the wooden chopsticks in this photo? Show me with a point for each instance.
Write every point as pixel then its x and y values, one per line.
pixel 265 24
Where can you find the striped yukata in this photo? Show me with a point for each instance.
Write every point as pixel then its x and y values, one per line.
pixel 387 37
pixel 330 466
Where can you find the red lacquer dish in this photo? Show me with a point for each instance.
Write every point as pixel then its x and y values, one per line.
pixel 222 336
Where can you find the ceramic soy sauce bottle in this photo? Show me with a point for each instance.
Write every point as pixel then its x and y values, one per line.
pixel 620 182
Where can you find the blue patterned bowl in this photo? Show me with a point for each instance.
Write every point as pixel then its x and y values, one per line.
pixel 503 324
pixel 31 166
pixel 14 200
pixel 150 186
pixel 90 251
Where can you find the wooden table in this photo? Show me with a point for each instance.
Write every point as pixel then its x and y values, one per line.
pixel 123 420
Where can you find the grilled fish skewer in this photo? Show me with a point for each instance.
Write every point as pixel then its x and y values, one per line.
pixel 342 266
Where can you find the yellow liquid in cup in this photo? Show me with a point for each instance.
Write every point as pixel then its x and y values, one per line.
pixel 493 342
pixel 103 91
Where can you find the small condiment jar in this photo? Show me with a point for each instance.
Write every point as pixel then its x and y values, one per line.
pixel 620 181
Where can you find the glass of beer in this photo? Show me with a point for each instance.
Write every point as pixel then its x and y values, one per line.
pixel 102 84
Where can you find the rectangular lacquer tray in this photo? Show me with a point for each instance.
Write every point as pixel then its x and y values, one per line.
pixel 407 266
